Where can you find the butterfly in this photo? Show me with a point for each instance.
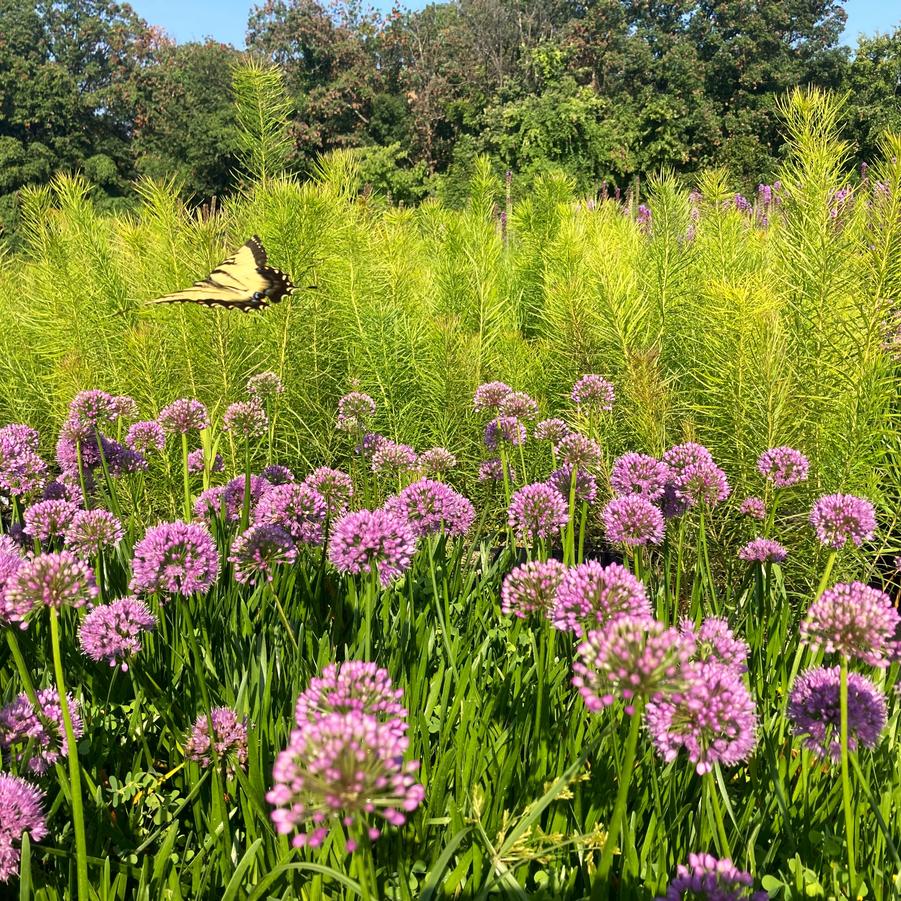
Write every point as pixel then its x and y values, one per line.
pixel 243 282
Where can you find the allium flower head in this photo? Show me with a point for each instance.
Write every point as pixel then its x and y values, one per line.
pixel 279 475
pixel 763 550
pixel 531 588
pixel 23 731
pixel 342 768
pixel 90 411
pixel 431 507
pixel 369 444
pixel 715 641
pixel 592 595
pixel 437 461
pixel 264 385
pixel 368 539
pixel 233 495
pixel 490 395
pixel 712 718
pixel 21 811
pixel 632 656
pixel 183 416
pixel 391 458
pixel 111 633
pixel 506 430
pixel 708 879
pixel 753 507
pixel 256 552
pixel 633 520
pixel 681 456
pixel 197 462
pixel 537 511
pixel 493 471
pixel 229 739
pixel 175 558
pixel 51 580
pixel 299 509
pixel 10 561
pixel 46 520
pixel 593 392
pixel 642 474
pixel 578 451
pixel 553 430
pixel 852 619
pixel 93 531
pixel 702 484
pixel 815 711
pixel 335 487
pixel 246 418
pixel 22 471
pixel 840 518
pixel 121 460
pixel 210 504
pixel 586 484
pixel 784 466
pixel 672 503
pixel 124 407
pixel 518 405
pixel 146 436
pixel 354 411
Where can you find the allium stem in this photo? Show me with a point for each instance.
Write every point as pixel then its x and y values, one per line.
pixel 110 487
pixel 439 608
pixel 81 845
pixel 569 550
pixel 582 523
pixel 283 616
pixel 187 476
pixel 725 850
pixel 846 780
pixel 81 482
pixel 827 572
pixel 13 642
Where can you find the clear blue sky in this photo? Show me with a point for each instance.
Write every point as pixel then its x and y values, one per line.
pixel 226 20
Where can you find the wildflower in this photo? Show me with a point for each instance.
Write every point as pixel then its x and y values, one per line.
pixel 121 460
pixel 644 218
pixel 586 484
pixel 298 509
pixel 531 587
pixel 712 718
pixel 233 495
pixel 639 474
pixel 229 738
pixel 742 204
pixel 112 632
pixel 714 641
pixel 753 507
pixel 197 462
pixel 354 411
pixel 175 558
pixel 593 392
pixel 369 444
pixel 784 466
pixel 92 531
pixel 763 550
pixel 145 436
pixel 493 471
pixel 593 595
pixel 392 458
pixel 21 811
pixel 335 487
pixel 505 430
pixel 264 385
pixel 815 711
pixel 437 461
pixel 553 430
pixel 90 411
pixel 518 405
pixel 681 456
pixel 183 416
pixel 369 540
pixel 634 656
pixel 245 418
pixel 852 619
pixel 672 503
pixel 633 520
pixel 258 550
pixel 430 507
pixel 580 452
pixel 840 518
pixel 705 877
pixel 278 475
pixel 210 504
pixel 55 491
pixel 123 407
pixel 46 520
pixel 22 471
pixel 23 731
pixel 490 395
pixel 52 580
pixel 537 511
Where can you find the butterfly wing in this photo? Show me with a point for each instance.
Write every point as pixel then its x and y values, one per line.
pixel 243 281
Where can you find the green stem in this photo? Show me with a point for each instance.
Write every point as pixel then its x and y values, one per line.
pixel 187 476
pixel 283 617
pixel 846 781
pixel 827 572
pixel 81 482
pixel 13 642
pixel 245 510
pixel 718 815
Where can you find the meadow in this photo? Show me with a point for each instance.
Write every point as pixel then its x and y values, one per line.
pixel 539 548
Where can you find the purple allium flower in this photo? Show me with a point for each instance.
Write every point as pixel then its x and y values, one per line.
pixel 52 580
pixel 112 632
pixel 763 550
pixel 92 531
pixel 437 461
pixel 264 385
pixel 355 687
pixel 183 416
pixel 593 392
pixel 391 458
pixel 431 507
pixel 16 438
pixel 852 619
pixel 641 474
pixel 342 768
pixel 578 451
pixel 672 503
pixel 246 418
pixel 553 430
pixel 257 551
pixel 531 587
pixel 784 466
pixel 633 656
pixel 89 411
pixel 815 711
pixel 121 460
pixel 299 509
pixel 210 504
pixel 518 405
pixel 21 724
pixel 124 407
pixel 633 520
pixel 708 879
pixel 372 538
pixel 22 471
pixel 493 471
pixel 336 488
pixel 233 495
pixel 537 511
pixel 354 411
pixel 713 718
pixel 46 520
pixel 753 507
pixel 680 456
pixel 505 430
pixel 369 444
pixel 197 462
pixel 742 204
pixel 586 484
pixel 146 436
pixel 175 558
pixel 490 395
pixel 21 811
pixel 592 595
pixel 714 641
pixel 229 739
pixel 55 491
pixel 279 475
pixel 702 484
pixel 839 518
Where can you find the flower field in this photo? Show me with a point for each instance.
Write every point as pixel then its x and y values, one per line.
pixel 548 554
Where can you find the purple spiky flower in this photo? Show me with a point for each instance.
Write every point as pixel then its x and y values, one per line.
pixel 229 739
pixel 246 418
pixel 354 411
pixel 21 811
pixel 264 385
pixel 111 633
pixel 175 558
pixel 763 550
pixel 784 466
pixel 431 507
pixel 256 552
pixel 593 392
pixel 488 397
pixel 146 436
pixel 183 416
pixel 335 487
pixel 47 520
pixel 299 509
pixel 707 879
pixel 367 540
pixel 840 518
pixel 493 471
pixel 586 484
pixel 531 588
pixel 391 458
pixel 537 511
pixel 590 595
pixel 50 580
pixel 505 430
pixel 641 474
pixel 579 451
pixel 553 430
pixel 24 732
pixel 93 531
pixel 753 507
pixel 518 405
pixel 437 461
pixel 715 641
pixel 633 520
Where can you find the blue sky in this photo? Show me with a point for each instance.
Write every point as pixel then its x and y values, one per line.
pixel 226 20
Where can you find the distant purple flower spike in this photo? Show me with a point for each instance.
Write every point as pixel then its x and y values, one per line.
pixel 763 550
pixel 256 552
pixel 229 739
pixel 708 879
pixel 633 520
pixel 537 511
pixel 93 531
pixel 531 588
pixel 297 508
pixel 183 416
pixel 840 518
pixel 437 461
pixel 20 724
pixel 578 451
pixel 518 405
pixel 641 474
pixel 21 811
pixel 146 436
pixel 175 558
pixel 431 507
pixel 505 430
pixel 111 633
pixel 591 595
pixel 714 641
pixel 336 488
pixel 488 397
pixel 753 507
pixel 784 466
pixel 553 430
pixel 586 484
pixel 594 392
pixel 742 204
pixel 369 539
pixel 47 520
